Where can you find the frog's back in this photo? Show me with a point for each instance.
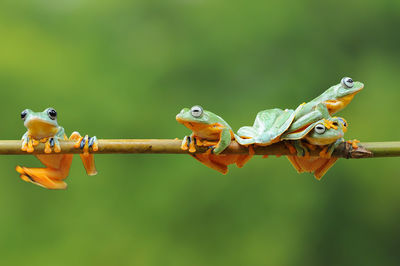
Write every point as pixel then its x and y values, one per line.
pixel 267 128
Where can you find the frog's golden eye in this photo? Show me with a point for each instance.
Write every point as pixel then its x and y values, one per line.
pixel 320 128
pixel 196 111
pixel 347 82
pixel 24 114
pixel 52 113
pixel 344 123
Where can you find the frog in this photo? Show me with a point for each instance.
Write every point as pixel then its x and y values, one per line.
pixel 325 134
pixel 271 124
pixel 333 100
pixel 42 127
pixel 213 132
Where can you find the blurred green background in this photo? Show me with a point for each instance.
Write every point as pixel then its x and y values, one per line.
pixel 123 69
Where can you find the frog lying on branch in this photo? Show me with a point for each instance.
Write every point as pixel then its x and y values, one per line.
pixel 211 131
pixel 270 124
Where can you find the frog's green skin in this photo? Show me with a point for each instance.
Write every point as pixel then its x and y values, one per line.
pixel 328 140
pixel 267 128
pixel 271 124
pixel 43 127
pixel 328 103
pixel 208 126
pixel 332 136
pixel 210 130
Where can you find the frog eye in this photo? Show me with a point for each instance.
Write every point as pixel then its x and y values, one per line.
pixel 24 114
pixel 320 128
pixel 348 82
pixel 344 123
pixel 196 111
pixel 52 113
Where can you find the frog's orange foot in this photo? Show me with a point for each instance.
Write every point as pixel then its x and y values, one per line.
pixel 28 144
pixel 290 147
pixel 306 154
pixel 189 143
pixel 330 124
pixel 353 143
pixel 85 143
pixel 185 143
pixel 28 175
pixel 52 144
pixel 324 153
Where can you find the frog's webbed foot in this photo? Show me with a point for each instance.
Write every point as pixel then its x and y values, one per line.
pixel 324 153
pixel 185 143
pixel 51 144
pixel 353 143
pixel 301 149
pixel 86 143
pixel 189 143
pixel 28 143
pixel 328 150
pixel 330 124
pixel 43 177
pixel 290 147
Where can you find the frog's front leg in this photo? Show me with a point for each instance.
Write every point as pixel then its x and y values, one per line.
pixel 189 143
pixel 301 150
pixel 328 150
pixel 224 141
pixel 53 143
pixel 85 143
pixel 318 113
pixel 28 143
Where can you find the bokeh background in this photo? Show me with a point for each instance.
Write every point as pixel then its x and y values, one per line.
pixel 123 69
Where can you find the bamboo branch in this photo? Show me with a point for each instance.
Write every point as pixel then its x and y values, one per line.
pixel 169 146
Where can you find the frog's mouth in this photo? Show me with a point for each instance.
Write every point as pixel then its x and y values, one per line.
pixel 39 129
pixel 323 141
pixel 191 124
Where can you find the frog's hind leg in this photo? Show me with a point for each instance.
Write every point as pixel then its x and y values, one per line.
pixel 318 166
pixel 242 159
pixel 294 161
pixel 246 135
pixel 50 177
pixel 326 164
pixel 206 159
pixel 85 143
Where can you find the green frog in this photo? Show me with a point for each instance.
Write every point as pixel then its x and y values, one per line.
pixel 43 127
pixel 209 130
pixel 271 124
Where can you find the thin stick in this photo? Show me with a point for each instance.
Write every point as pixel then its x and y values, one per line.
pixel 169 146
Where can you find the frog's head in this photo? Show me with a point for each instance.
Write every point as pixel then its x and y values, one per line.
pixel 339 96
pixel 327 132
pixel 40 124
pixel 194 117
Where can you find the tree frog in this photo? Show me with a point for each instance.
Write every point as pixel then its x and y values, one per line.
pixel 210 130
pixel 43 127
pixel 270 124
pixel 326 134
pixel 330 102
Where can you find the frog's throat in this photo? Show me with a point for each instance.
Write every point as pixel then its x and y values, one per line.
pixel 40 129
pixel 336 105
pixel 323 141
